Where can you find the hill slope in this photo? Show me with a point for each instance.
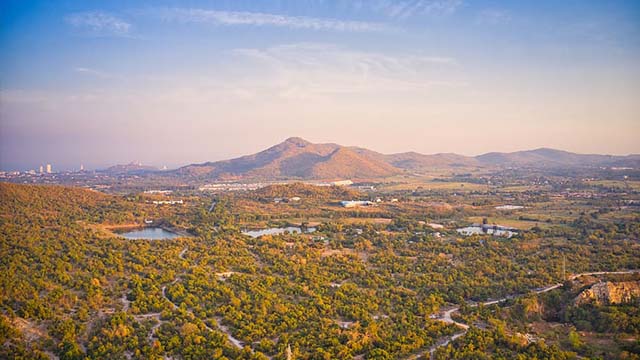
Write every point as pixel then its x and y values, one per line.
pixel 545 157
pixel 131 168
pixel 295 158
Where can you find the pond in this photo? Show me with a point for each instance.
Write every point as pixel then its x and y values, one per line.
pixel 149 233
pixel 276 231
pixel 495 230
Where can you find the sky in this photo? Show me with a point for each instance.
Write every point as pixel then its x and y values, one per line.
pixel 177 82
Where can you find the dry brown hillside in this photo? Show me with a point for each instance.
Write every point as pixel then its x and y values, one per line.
pixel 345 163
pixel 295 158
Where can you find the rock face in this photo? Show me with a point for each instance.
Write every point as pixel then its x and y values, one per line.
pixel 610 293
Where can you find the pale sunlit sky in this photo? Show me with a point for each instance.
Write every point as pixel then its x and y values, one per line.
pixel 172 83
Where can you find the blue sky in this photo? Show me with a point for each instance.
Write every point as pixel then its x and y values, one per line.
pixel 170 83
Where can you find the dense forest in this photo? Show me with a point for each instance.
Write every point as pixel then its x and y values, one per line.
pixel 356 287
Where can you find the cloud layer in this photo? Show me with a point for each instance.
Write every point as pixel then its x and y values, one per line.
pixel 409 8
pixel 229 18
pixel 311 70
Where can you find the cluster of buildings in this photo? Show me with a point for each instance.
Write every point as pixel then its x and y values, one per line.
pixel 158 192
pixel 41 170
pixel 357 203
pixel 49 171
pixel 233 186
pixel 236 186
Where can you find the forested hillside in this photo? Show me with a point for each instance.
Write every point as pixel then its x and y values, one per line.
pixel 355 288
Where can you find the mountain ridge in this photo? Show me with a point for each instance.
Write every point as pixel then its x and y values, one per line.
pixel 297 158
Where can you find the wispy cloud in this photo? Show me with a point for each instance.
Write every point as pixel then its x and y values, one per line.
pixel 405 9
pixel 309 70
pixel 263 19
pixel 493 17
pixel 99 23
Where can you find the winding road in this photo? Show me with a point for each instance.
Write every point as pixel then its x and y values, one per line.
pixel 445 316
pixel 126 303
pixel 237 343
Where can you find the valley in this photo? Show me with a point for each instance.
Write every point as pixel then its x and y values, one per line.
pixel 287 270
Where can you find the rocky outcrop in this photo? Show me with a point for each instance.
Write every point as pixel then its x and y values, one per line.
pixel 610 293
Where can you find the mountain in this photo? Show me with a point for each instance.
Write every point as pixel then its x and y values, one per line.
pixel 416 161
pixel 545 157
pixel 295 158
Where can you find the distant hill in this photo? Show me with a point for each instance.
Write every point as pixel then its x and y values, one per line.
pixel 545 157
pixel 296 158
pixel 416 161
pixel 130 168
pixel 37 201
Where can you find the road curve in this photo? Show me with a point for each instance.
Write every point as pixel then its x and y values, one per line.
pixel 446 315
pixel 237 343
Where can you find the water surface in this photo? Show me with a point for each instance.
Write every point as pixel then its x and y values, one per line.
pixel 276 231
pixel 490 230
pixel 149 233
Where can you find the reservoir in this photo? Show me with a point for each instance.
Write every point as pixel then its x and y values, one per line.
pixel 495 230
pixel 276 231
pixel 149 233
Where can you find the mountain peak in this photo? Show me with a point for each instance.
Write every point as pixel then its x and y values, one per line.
pixel 297 141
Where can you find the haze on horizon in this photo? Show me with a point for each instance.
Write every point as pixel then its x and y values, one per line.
pixel 165 83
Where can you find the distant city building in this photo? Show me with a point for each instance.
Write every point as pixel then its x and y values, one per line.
pixel 81 167
pixel 48 168
pixel 41 169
